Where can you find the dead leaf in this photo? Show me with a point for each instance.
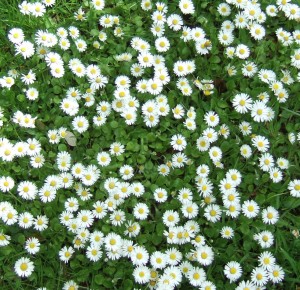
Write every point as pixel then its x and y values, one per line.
pixel 70 138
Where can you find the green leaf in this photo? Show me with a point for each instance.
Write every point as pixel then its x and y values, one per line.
pixel 160 229
pixel 57 90
pixel 99 279
pixel 128 284
pixel 292 262
pixel 62 147
pixel 214 59
pixel 114 124
pixel 21 98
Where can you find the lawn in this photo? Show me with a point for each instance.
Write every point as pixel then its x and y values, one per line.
pixel 149 144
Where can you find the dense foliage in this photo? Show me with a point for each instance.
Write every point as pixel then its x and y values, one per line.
pixel 149 145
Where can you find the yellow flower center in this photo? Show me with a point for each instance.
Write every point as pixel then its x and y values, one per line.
pixel 204 255
pixel 24 266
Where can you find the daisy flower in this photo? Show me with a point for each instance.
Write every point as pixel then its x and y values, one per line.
pixel 178 160
pixel 47 194
pixel 10 216
pixel 246 151
pixel 257 31
pixel 178 112
pixel 249 69
pixel 225 37
pixel 233 209
pixel 93 252
pixel 267 260
pixel 205 187
pixel 37 161
pixel 185 195
pixel 100 209
pixel 230 52
pixel 259 276
pixel 6 183
pixel 227 232
pixel 170 218
pixel 137 189
pixel 163 169
pixel 178 142
pixel 261 143
pixel 242 103
pixel 173 256
pixel 215 153
pixel 190 210
pixel 24 267
pixel 173 272
pixel 38 9
pixel 276 274
pixel 141 211
pixel 233 271
pixel 103 159
pixel 126 172
pixel 145 59
pixel 146 5
pixel 264 238
pixel 40 223
pixel 186 6
pixel 32 245
pixel 196 276
pixel 270 215
pixel 28 78
pixel 98 4
pixel 211 118
pixel 203 170
pixel 16 35
pixel 66 253
pixel 224 9
pixel 4 239
pixel 205 255
pixel 175 22
pixel 7 82
pixel 155 86
pixel 210 135
pixel 104 108
pixel 116 149
pixel 282 163
pixel 242 51
pixel 234 176
pixel 160 195
pixel 271 10
pixel 266 76
pixel 275 175
pixel 162 44
pixel 212 213
pixel 230 197
pixel 141 274
pixel 25 48
pixel 85 218
pixel 250 208
pixel 139 256
pixel 158 260
pixel 186 33
pixel 202 144
pixel 266 162
pixel 25 220
pixel 27 190
pixel 294 187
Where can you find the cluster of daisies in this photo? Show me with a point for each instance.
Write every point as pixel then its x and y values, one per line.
pixel 36 9
pixel 144 93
